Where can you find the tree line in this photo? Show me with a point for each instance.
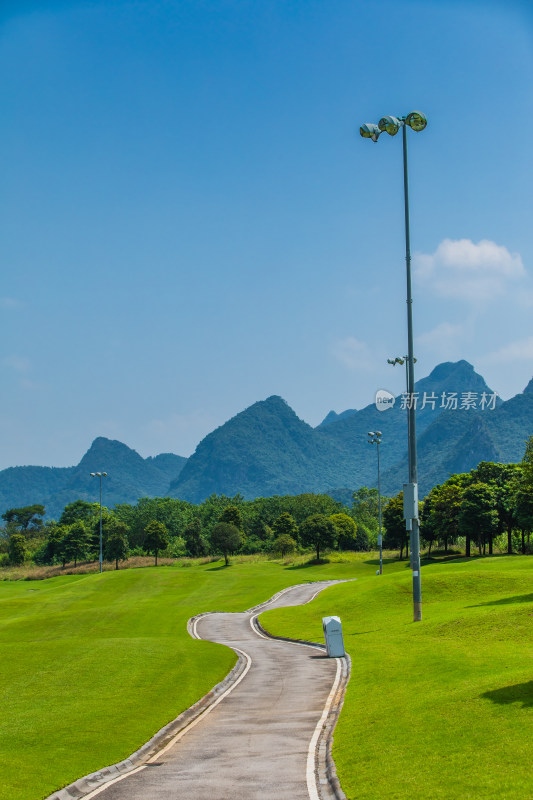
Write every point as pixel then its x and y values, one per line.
pixel 168 527
pixel 493 502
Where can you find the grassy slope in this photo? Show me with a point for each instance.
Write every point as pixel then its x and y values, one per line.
pixel 92 665
pixel 439 709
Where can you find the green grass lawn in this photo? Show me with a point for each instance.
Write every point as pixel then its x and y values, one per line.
pixel 441 708
pixel 91 666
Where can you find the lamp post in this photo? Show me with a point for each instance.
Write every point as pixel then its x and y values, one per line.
pixel 374 437
pixel 417 122
pixel 100 475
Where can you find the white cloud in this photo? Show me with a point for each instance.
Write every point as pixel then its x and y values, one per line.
pixel 442 335
pixel 473 272
pixel 353 354
pixel 20 364
pixel 521 350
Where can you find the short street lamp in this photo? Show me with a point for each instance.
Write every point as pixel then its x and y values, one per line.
pixel 100 475
pixel 417 122
pixel 374 437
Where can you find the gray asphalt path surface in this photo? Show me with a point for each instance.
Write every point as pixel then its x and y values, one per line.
pixel 258 741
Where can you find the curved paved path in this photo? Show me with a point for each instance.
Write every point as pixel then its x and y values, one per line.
pixel 259 740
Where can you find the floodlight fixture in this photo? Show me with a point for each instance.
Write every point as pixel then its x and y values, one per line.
pixel 416 121
pixel 390 124
pixel 369 131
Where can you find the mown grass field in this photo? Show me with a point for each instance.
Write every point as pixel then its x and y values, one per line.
pixel 91 666
pixel 441 708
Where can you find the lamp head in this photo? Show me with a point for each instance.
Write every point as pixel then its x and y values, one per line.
pixel 416 120
pixel 390 124
pixel 93 474
pixel 369 131
pixel 99 474
pixel 104 474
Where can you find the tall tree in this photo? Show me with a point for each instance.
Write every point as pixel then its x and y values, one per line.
pixel 232 516
pixel 478 518
pixel 76 542
pixel 79 510
pixel 347 534
pixel 155 538
pixel 504 480
pixel 396 536
pixel 318 531
pixel 116 548
pixel 25 516
pixel 225 539
pixel 285 525
pixel 194 541
pixel 17 549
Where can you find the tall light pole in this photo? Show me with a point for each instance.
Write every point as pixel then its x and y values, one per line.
pixel 100 475
pixel 374 437
pixel 417 122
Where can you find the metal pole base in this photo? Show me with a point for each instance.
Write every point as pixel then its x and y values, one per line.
pixel 417 612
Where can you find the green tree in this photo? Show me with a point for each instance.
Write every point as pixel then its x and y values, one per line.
pixel 155 538
pixel 504 480
pixel 396 536
pixel 174 514
pixel 116 548
pixel 347 537
pixel 318 531
pixel 79 510
pixel 108 522
pixel 285 525
pixel 17 549
pixel 260 530
pixel 478 518
pixel 225 539
pixel 284 544
pixel 365 512
pixel 524 512
pixel 232 516
pixel 440 517
pixel 53 547
pixel 75 542
pixel 194 541
pixel 25 516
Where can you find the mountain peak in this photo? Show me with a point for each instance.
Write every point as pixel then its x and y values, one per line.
pixel 529 387
pixel 451 368
pixel 105 453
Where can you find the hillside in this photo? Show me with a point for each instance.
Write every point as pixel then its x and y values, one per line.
pixel 129 477
pixel 266 449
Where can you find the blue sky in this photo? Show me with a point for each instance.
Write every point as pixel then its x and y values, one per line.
pixel 191 221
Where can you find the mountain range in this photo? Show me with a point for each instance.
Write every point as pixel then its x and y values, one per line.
pixel 266 449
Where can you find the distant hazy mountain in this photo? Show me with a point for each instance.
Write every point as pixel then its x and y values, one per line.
pixel 333 416
pixel 266 449
pixel 129 477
